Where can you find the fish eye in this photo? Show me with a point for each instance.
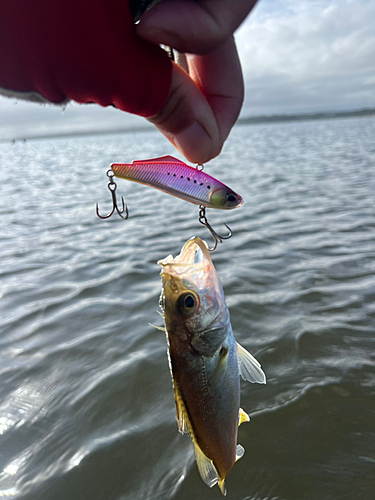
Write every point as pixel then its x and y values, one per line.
pixel 187 303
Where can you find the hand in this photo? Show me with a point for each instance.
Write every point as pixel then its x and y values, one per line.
pixel 203 106
pixel 81 50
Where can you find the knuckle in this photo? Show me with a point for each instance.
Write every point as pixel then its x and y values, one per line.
pixel 176 114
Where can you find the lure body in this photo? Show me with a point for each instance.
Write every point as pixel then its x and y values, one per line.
pixel 174 177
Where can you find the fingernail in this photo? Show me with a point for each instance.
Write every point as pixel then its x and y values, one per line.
pixel 194 143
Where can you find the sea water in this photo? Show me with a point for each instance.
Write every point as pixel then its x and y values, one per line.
pixel 86 402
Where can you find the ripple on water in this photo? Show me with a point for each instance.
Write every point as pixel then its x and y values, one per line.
pixel 86 402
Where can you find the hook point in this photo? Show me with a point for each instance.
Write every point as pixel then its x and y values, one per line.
pixel 217 238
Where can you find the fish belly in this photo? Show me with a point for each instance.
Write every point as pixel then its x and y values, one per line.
pixel 210 390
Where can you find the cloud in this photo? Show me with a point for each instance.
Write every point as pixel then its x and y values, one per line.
pixel 307 56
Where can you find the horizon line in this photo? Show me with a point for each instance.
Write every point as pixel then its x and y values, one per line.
pixel 248 120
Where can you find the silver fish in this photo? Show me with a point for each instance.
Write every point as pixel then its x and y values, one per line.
pixel 205 360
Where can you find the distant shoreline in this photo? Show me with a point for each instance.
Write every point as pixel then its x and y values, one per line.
pixel 79 133
pixel 251 120
pixel 306 116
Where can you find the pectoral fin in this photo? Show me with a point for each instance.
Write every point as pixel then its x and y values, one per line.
pixel 206 468
pixel 249 367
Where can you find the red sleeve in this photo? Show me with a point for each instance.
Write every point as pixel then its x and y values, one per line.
pixel 84 50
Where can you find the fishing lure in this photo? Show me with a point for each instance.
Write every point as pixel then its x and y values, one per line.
pixel 172 176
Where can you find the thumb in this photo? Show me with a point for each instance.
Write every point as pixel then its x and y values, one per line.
pixel 187 120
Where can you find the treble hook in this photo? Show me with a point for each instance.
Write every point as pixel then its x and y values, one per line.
pixel 112 187
pixel 203 220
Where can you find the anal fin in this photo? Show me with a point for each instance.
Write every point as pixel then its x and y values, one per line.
pixel 240 451
pixel 222 487
pixel 206 467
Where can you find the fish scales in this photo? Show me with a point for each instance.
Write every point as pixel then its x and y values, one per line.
pixel 205 360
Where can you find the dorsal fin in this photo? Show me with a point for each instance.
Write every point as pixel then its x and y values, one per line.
pixel 161 159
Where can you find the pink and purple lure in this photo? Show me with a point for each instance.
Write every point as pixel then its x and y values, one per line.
pixel 174 177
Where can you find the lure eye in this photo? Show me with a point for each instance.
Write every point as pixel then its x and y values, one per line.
pixel 231 197
pixel 225 198
pixel 187 303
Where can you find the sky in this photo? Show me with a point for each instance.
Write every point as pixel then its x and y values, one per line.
pixel 308 55
pixel 297 56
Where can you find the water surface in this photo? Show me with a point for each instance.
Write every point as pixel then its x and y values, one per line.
pixel 86 403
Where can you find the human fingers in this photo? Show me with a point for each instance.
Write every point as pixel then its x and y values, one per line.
pixel 187 119
pixel 201 108
pixel 219 76
pixel 196 27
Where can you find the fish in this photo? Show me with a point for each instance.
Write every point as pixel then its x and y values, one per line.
pixel 173 176
pixel 205 361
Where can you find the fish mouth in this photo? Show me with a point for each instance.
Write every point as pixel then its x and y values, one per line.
pixel 194 253
pixel 191 271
